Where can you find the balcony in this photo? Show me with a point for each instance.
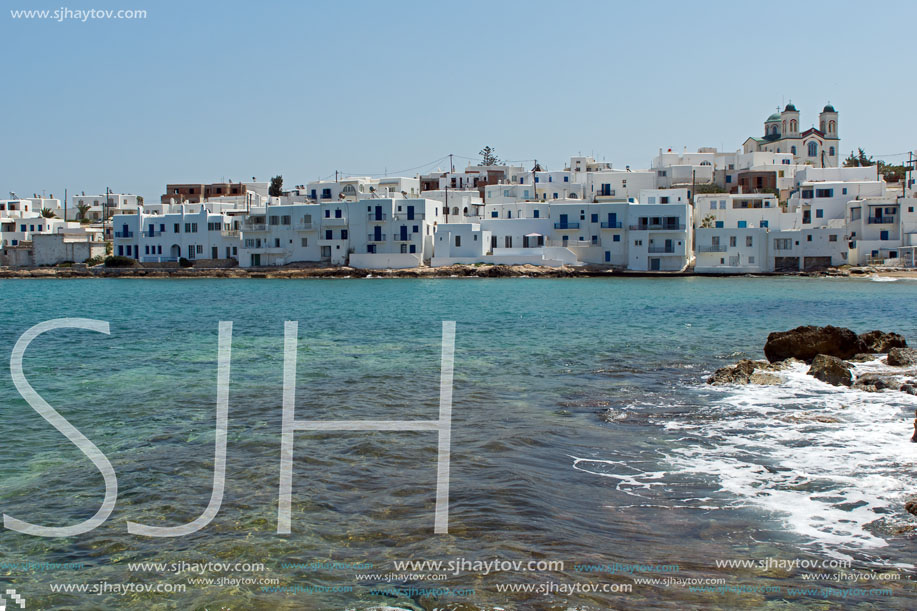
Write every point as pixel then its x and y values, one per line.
pixel 124 234
pixel 149 234
pixel 229 233
pixel 566 225
pixel 661 250
pixel 403 216
pixel 617 225
pixel 374 217
pixel 657 226
pixel 710 248
pixel 881 220
pixel 336 220
pixel 376 238
pixel 305 227
pixel 407 237
pixel 254 227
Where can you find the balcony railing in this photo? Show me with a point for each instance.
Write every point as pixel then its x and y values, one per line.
pixel 407 237
pixel 881 220
pixel 661 250
pixel 230 233
pixel 711 248
pixel 124 234
pixel 403 216
pixel 377 217
pixel 334 220
pixel 566 225
pixel 254 227
pixel 657 226
pixel 305 227
pixel 376 238
pixel 617 225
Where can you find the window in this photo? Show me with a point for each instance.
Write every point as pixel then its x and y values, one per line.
pixel 819 213
pixel 713 205
pixel 824 192
pixel 304 242
pixel 412 249
pixel 813 149
pixel 722 204
pixel 793 149
pixel 732 241
pixel 883 235
pixel 458 241
pixel 807 193
pixel 337 213
pixel 809 238
pixel 742 224
pixel 832 237
pixel 748 241
pixel 285 220
pixel 508 241
pixel 844 191
pixel 751 260
pixel 566 179
pixel 274 220
pixel 327 214
pixel 595 239
pixel 728 178
pixel 328 234
pixel 343 234
pixel 494 214
pixel 638 242
pixel 831 151
pixel 763 224
pixel 404 248
pixel 616 238
pixel 594 218
pixel 535 213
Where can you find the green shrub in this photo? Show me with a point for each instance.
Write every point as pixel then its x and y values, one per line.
pixel 117 261
pixel 183 262
pixel 93 261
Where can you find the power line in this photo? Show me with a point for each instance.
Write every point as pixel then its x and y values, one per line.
pixel 429 163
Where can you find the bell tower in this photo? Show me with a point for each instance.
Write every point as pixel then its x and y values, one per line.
pixel 827 121
pixel 791 116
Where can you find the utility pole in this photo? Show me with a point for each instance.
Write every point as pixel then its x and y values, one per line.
pixel 451 166
pixel 65 206
pixel 335 176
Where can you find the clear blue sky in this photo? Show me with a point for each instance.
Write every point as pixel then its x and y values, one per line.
pixel 198 92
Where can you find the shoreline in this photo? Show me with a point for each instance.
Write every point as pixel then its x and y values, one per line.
pixel 452 271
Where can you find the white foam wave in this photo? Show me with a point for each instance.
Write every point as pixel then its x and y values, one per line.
pixel 828 460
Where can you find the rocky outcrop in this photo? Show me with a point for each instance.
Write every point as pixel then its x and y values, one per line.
pixel 805 343
pixel 874 382
pixel 902 357
pixel 911 506
pixel 747 371
pixel 831 369
pixel 880 341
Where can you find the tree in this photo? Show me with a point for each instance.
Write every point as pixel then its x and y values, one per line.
pixel 489 156
pixel 276 188
pixel 858 160
pixel 708 222
pixel 81 210
pixel 888 171
pixel 47 213
pixel 139 200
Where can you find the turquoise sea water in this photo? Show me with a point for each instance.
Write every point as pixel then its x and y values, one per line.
pixel 676 473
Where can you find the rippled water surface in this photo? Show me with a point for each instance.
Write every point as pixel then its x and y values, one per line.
pixel 582 433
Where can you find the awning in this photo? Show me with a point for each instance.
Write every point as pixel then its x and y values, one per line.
pixel 534 235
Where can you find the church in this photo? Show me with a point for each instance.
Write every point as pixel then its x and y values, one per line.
pixel 818 147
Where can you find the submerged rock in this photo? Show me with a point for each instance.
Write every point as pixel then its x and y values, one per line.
pixel 880 341
pixel 805 343
pixel 747 371
pixel 911 506
pixel 902 357
pixel 862 357
pixel 874 382
pixel 831 370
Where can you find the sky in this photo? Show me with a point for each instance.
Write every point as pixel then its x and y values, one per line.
pixel 210 91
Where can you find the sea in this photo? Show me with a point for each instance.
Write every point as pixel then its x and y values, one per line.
pixel 590 465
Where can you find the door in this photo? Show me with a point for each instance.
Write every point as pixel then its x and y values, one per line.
pixel 668 246
pixel 654 265
pixel 214 252
pixel 256 260
pixel 378 213
pixel 404 232
pixel 612 220
pixel 377 230
pixel 563 221
pixel 410 213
